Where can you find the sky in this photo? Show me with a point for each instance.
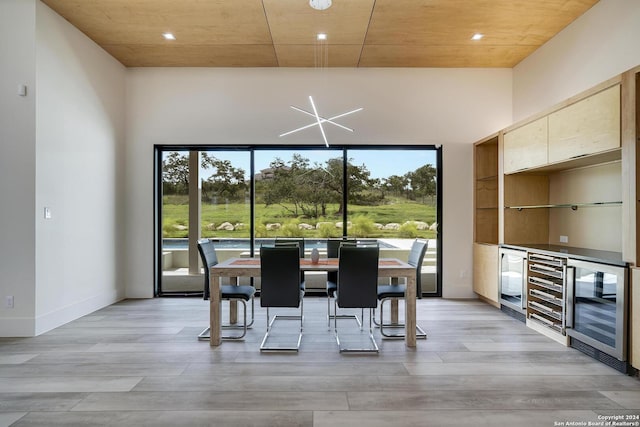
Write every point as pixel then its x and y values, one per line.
pixel 381 163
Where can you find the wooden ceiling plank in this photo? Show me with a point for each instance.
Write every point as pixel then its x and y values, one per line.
pixel 305 55
pixel 294 22
pixel 272 33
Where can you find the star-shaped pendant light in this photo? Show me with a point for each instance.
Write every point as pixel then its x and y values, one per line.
pixel 320 120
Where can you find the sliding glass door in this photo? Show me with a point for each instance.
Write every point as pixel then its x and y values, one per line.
pixel 247 197
pixel 392 197
pixel 204 194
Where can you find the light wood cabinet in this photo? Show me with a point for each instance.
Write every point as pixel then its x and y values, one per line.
pixel 526 146
pixel 485 272
pixel 589 126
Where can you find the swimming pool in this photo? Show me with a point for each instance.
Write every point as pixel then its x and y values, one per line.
pixel 172 244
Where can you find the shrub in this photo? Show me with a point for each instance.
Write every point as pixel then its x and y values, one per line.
pixel 408 230
pixel 261 230
pixel 328 230
pixel 362 226
pixel 291 229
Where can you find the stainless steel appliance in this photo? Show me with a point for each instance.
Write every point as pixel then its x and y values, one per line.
pixel 597 308
pixel 513 292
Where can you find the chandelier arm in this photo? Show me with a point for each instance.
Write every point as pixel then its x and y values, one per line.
pixel 299 129
pixel 319 122
pixel 323 119
pixel 345 114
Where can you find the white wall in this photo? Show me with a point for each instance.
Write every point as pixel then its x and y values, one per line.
pixel 602 43
pixel 80 119
pixel 452 107
pixel 17 166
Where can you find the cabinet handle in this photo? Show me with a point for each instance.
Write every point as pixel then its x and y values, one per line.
pixel 570 287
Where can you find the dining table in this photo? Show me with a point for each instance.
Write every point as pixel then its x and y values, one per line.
pixel 234 268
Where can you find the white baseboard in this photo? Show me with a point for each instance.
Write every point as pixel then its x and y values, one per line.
pixel 66 314
pixel 17 327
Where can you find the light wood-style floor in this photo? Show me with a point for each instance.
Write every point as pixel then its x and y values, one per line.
pixel 138 363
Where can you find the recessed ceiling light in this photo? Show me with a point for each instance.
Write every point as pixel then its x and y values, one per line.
pixel 322 36
pixel 169 36
pixel 477 36
pixel 320 4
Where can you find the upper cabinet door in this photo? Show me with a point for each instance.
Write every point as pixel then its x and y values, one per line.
pixel 526 146
pixel 586 127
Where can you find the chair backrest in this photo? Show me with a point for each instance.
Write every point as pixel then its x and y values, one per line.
pixel 291 241
pixel 358 277
pixel 416 257
pixel 279 276
pixel 209 258
pixel 297 242
pixel 333 246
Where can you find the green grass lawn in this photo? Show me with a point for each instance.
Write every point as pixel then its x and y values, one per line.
pixel 175 218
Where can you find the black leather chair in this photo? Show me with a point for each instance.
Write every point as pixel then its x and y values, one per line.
pixel 357 286
pixel 333 246
pixel 396 291
pixel 280 288
pixel 243 294
pixel 297 242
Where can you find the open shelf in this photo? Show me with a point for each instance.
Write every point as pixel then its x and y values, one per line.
pixel 486 191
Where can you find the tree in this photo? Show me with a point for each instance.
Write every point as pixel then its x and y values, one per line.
pixel 397 184
pixel 225 180
pixel 282 187
pixel 311 188
pixel 358 181
pixel 175 173
pixel 423 182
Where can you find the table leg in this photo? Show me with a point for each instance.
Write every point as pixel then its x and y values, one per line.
pixel 410 311
pixel 233 305
pixel 214 310
pixel 394 303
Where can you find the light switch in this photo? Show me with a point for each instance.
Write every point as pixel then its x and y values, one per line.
pixel 22 90
pixel 47 213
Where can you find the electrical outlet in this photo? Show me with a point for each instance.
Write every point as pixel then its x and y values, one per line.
pixel 564 239
pixel 8 301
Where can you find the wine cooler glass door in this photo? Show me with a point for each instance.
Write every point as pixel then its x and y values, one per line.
pixel 512 279
pixel 598 307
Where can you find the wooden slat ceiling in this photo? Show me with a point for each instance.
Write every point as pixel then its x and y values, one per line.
pixel 282 33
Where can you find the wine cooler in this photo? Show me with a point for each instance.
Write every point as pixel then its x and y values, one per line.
pixel 597 310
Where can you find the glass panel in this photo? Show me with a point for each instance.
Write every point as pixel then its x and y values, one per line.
pixel 392 196
pixel 226 201
pixel 175 223
pixel 595 305
pixel 298 194
pixel 224 211
pixel 511 279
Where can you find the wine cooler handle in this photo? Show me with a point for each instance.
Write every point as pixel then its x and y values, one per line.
pixel 570 293
pixel 523 275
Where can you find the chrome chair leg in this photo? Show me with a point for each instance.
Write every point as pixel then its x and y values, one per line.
pixel 420 333
pixel 271 321
pixel 340 316
pixel 205 335
pixel 373 349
